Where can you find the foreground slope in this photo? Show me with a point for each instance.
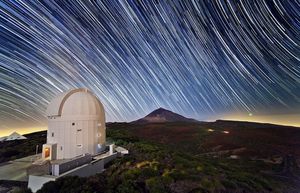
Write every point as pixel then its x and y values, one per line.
pixel 250 140
pixel 184 157
pixel 172 157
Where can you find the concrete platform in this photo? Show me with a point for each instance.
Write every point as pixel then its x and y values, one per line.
pixel 16 169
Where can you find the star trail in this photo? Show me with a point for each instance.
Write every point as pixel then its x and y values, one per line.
pixel 203 59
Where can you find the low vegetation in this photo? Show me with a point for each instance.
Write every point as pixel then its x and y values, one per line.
pixel 153 167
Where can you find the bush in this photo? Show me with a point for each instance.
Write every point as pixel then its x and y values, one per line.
pixel 127 186
pixel 75 184
pixel 148 172
pixel 155 185
pixel 210 184
pixel 22 190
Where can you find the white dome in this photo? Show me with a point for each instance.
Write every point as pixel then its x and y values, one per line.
pixel 76 124
pixel 77 102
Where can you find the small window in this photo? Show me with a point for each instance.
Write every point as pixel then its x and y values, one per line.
pixel 79 145
pixel 52 134
pixel 78 130
pixel 73 124
pixel 61 148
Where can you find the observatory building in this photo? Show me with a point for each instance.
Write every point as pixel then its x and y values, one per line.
pixel 76 139
pixel 76 125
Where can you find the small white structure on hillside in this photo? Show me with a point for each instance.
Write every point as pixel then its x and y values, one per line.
pixel 12 137
pixel 76 125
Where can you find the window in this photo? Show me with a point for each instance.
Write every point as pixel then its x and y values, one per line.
pixel 52 134
pixel 61 148
pixel 78 130
pixel 79 145
pixel 73 124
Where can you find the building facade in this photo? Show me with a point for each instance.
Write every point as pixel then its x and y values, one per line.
pixel 76 125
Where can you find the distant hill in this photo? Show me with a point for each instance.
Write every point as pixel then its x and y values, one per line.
pixel 162 115
pixel 222 137
pixel 244 124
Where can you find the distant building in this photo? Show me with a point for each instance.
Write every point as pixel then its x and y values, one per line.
pixel 76 139
pixel 12 137
pixel 234 157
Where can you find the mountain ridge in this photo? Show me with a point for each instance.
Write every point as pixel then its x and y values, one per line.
pixel 162 115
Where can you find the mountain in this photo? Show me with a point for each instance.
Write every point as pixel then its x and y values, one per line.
pixel 162 115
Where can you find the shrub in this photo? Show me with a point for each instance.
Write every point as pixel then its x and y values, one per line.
pixel 127 186
pixel 155 185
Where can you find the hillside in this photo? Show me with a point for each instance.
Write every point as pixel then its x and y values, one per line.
pixel 246 139
pixel 184 157
pixel 165 157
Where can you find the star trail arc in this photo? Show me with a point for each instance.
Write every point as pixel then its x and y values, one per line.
pixel 199 58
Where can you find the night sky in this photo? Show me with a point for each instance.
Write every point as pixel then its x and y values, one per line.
pixel 202 59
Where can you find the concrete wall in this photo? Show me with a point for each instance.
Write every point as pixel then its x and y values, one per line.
pixel 87 170
pixel 58 169
pixel 110 158
pixel 39 169
pixel 36 182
